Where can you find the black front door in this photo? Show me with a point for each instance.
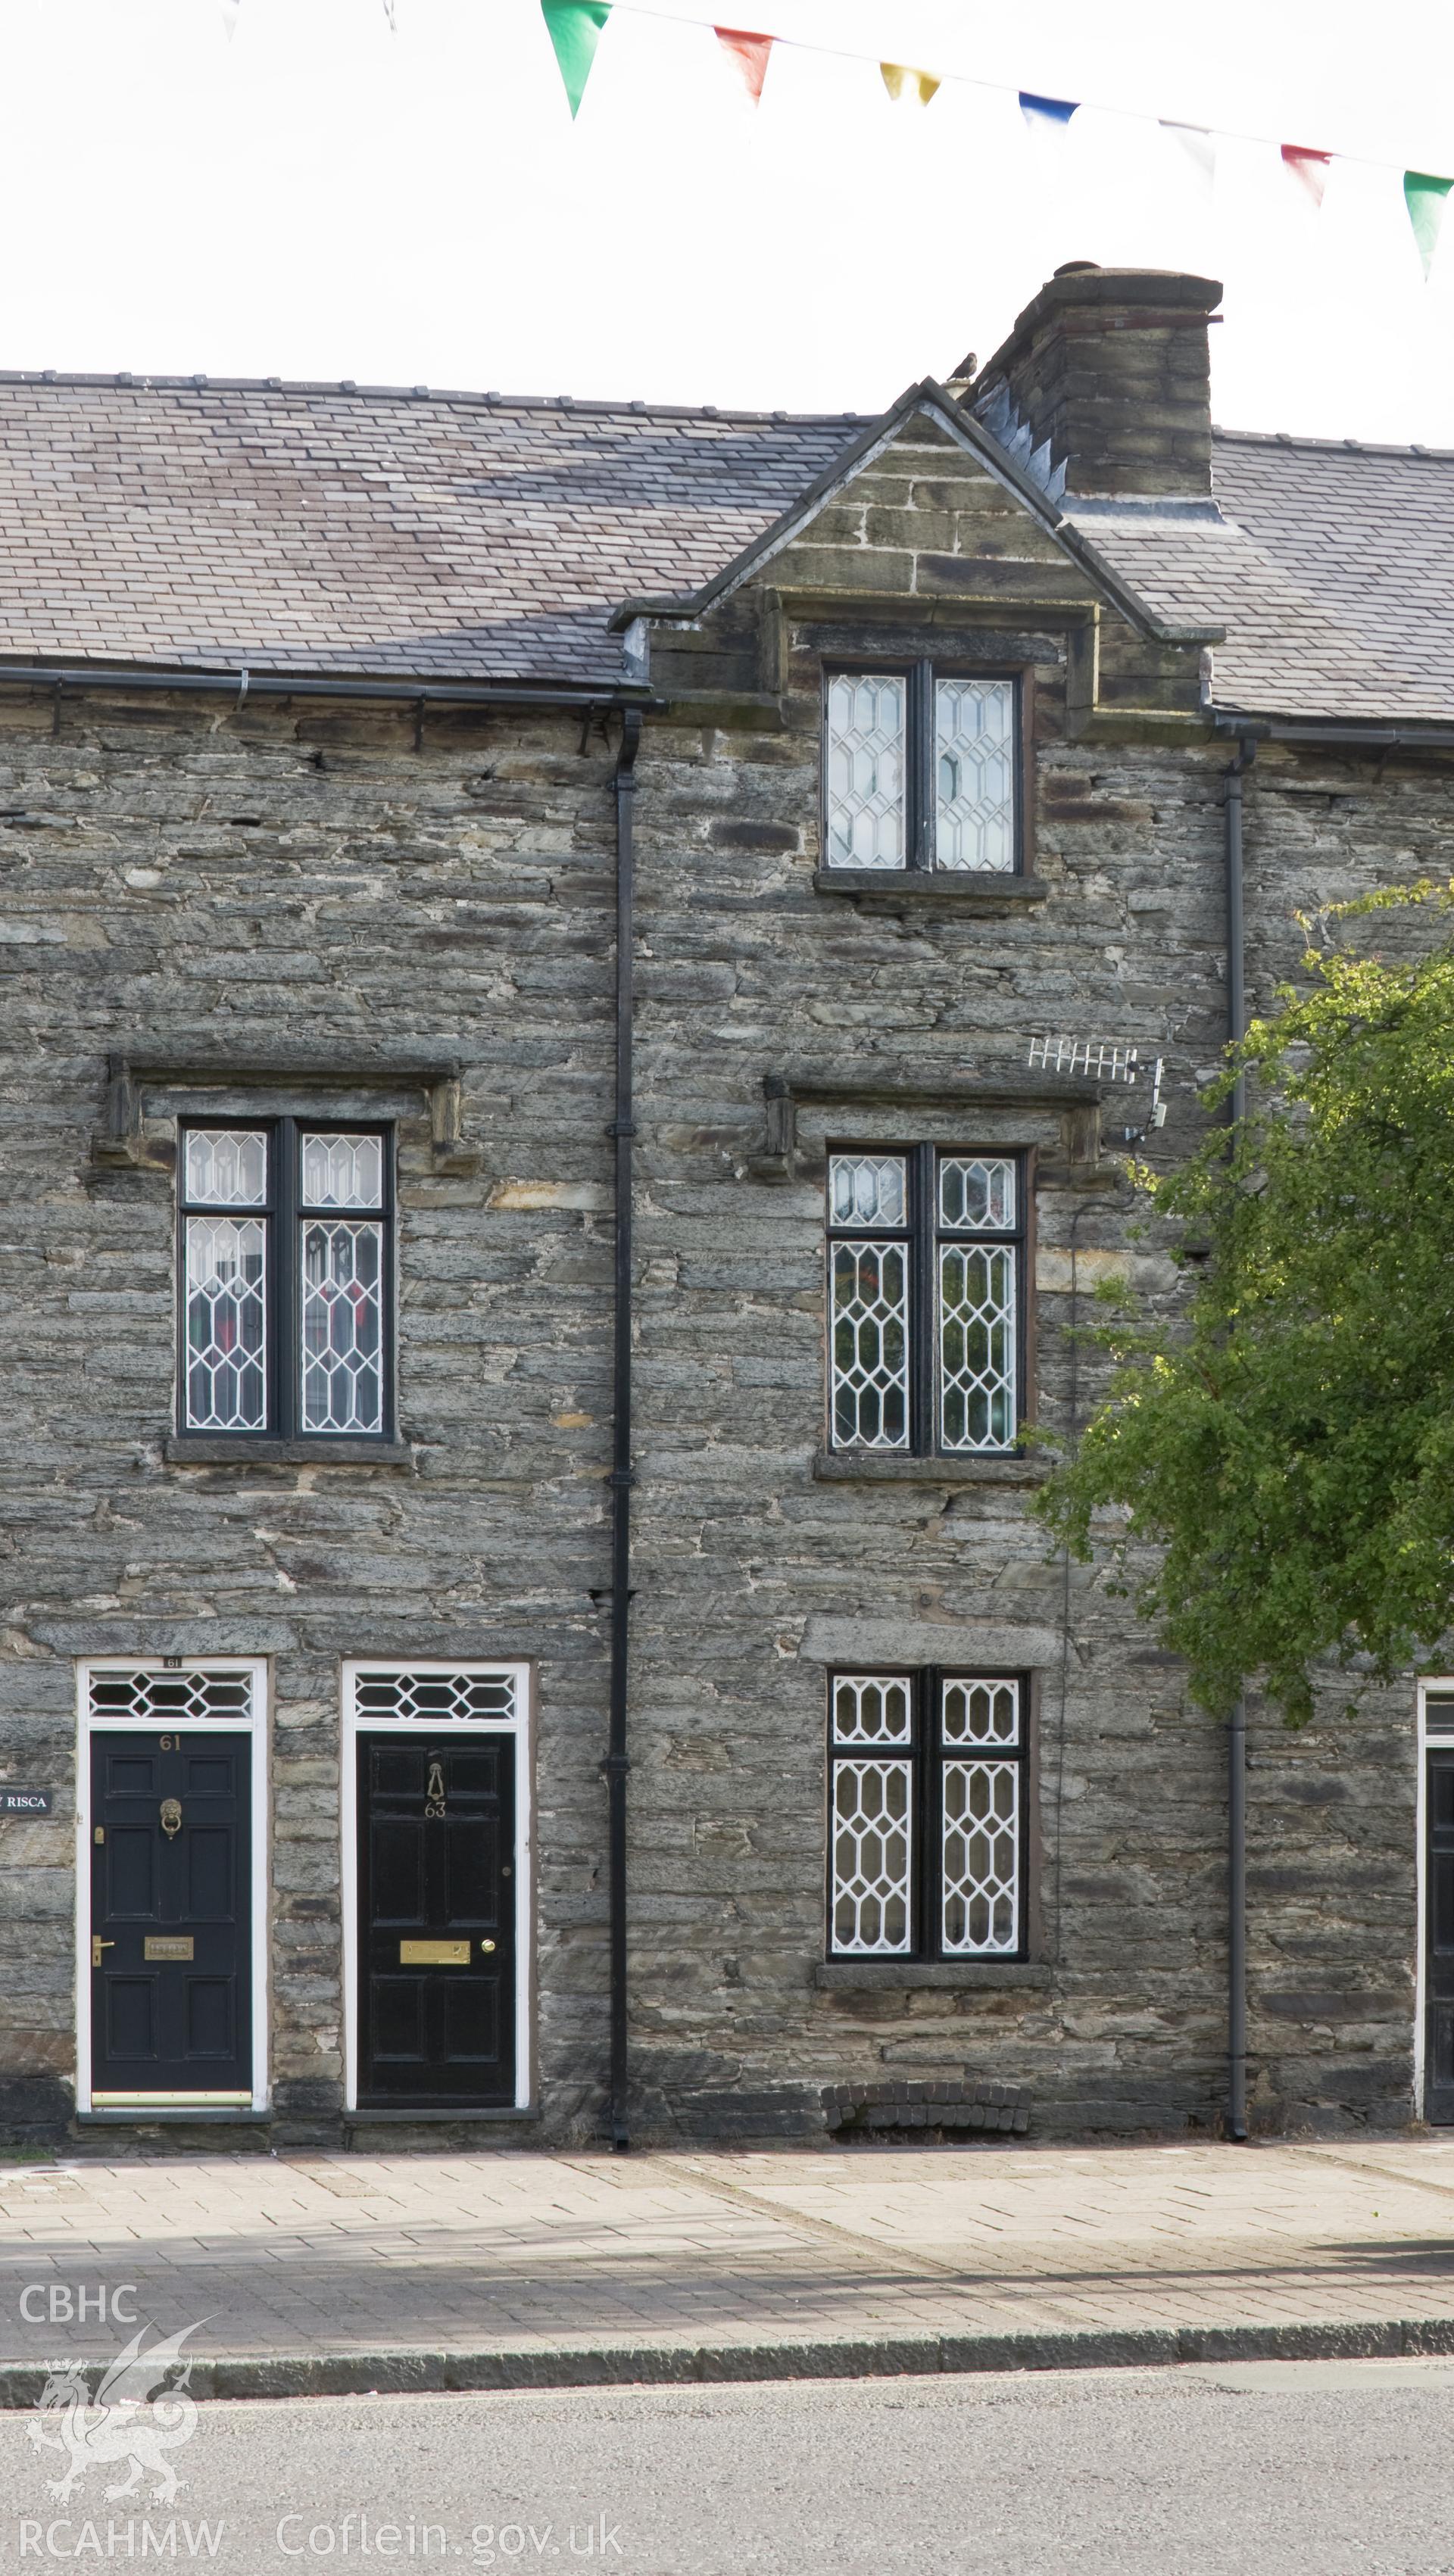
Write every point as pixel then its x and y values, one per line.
pixel 1439 1937
pixel 436 1865
pixel 171 2000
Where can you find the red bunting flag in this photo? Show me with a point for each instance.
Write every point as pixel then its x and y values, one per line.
pixel 750 54
pixel 1310 169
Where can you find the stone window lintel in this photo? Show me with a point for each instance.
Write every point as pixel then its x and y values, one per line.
pixel 123 1143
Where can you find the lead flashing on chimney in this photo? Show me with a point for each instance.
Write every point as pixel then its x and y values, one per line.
pixel 1146 505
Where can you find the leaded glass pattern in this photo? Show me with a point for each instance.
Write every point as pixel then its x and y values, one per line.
pixel 872 1895
pixel 142 1698
pixel 867 1189
pixel 974 774
pixel 226 1167
pixel 341 1171
pixel 981 1712
pixel 926 1815
pixel 226 1360
pixel 923 1296
pixel 343 1327
pixel 977 1345
pixel 872 1708
pixel 981 1856
pixel 977 1192
pixel 870 1345
pixel 867 819
pixel 433 1698
pixel 287 1236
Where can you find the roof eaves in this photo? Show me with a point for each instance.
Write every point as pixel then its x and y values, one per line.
pixel 1374 733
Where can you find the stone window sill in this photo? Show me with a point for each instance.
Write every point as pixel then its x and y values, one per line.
pixel 243 1452
pixel 869 1467
pixel 973 890
pixel 876 1976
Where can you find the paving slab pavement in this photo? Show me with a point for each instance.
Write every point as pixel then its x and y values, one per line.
pixel 508 2268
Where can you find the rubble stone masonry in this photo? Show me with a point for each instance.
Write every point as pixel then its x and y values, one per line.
pixel 293 882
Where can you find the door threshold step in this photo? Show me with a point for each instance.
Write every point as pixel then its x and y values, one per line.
pixel 209 2116
pixel 501 2111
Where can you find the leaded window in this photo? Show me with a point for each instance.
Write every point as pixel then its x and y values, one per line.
pixel 921 770
pixel 927 1816
pixel 286 1280
pixel 925 1282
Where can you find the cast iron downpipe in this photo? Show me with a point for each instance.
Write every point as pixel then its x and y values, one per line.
pixel 1237 1718
pixel 623 1128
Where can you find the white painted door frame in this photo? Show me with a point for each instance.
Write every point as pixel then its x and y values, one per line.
pixel 520 1725
pixel 1442 1733
pixel 253 1722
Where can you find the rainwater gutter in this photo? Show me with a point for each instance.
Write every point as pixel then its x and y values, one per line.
pixel 243 683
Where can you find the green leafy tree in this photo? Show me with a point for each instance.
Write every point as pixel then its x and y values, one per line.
pixel 1286 1445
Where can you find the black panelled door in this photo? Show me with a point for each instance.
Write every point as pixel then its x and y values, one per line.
pixel 171 2001
pixel 1439 1937
pixel 436 1866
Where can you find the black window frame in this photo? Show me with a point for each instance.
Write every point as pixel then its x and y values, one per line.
pixel 923 1234
pixel 286 1218
pixel 920 673
pixel 927 1754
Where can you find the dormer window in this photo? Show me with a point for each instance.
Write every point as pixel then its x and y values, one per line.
pixel 921 770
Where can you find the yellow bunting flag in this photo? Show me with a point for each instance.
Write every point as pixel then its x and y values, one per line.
pixel 902 81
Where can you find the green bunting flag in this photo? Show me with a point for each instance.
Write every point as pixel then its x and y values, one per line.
pixel 1425 198
pixel 575 31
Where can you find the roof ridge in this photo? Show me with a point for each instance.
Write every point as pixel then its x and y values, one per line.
pixel 123 380
pixel 1332 446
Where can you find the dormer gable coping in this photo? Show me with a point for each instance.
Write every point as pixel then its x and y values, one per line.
pixel 930 399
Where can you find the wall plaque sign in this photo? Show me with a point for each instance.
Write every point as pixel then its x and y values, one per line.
pixel 26 1802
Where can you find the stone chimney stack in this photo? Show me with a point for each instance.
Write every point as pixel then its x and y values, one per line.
pixel 1103 383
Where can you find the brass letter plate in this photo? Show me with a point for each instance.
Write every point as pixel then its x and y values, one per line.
pixel 169 1945
pixel 434 1954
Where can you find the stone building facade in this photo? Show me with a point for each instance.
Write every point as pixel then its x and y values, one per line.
pixel 317 709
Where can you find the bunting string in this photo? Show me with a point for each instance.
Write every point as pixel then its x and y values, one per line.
pixel 575 28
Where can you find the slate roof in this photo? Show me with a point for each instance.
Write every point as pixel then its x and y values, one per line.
pixel 1332 571
pixel 356 531
pixel 377 532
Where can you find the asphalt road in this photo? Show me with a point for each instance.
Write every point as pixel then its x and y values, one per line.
pixel 1289 2469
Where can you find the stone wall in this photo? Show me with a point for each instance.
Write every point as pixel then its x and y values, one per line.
pixel 177 876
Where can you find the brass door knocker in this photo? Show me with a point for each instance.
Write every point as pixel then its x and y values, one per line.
pixel 434 1795
pixel 171 1817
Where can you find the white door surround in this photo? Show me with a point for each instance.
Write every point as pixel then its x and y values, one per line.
pixel 515 1717
pixel 250 1720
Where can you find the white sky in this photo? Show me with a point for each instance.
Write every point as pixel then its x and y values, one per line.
pixel 319 196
